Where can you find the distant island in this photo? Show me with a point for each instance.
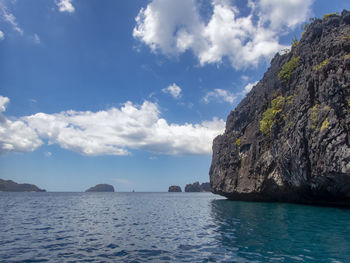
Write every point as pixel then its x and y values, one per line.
pixel 11 186
pixel 197 187
pixel 174 188
pixel 101 188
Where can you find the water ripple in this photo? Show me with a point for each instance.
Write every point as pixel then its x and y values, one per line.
pixel 162 227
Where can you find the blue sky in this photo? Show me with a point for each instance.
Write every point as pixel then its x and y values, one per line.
pixel 130 93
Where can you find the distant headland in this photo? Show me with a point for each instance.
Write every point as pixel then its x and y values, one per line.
pixel 195 187
pixel 101 188
pixel 174 188
pixel 11 186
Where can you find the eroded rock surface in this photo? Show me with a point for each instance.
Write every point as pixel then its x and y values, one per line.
pixel 288 140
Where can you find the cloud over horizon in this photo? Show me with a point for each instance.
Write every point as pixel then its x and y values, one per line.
pixel 173 27
pixel 108 132
pixel 16 135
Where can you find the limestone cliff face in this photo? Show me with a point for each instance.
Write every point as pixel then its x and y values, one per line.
pixel 289 139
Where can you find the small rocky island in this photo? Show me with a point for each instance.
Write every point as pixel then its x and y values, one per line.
pixel 197 187
pixel 11 186
pixel 101 188
pixel 289 139
pixel 174 188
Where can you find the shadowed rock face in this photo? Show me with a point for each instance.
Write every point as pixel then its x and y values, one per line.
pixel 174 188
pixel 101 188
pixel 205 187
pixel 197 187
pixel 11 186
pixel 288 140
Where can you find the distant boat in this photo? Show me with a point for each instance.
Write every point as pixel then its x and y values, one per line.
pixel 133 190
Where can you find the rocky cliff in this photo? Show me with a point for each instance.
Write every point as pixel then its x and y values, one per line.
pixel 101 188
pixel 197 187
pixel 11 186
pixel 289 139
pixel 174 188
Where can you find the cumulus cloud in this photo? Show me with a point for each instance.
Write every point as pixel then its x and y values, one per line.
pixel 115 131
pixel 65 6
pixel 174 90
pixel 173 27
pixel 2 35
pixel 219 95
pixel 3 103
pixel 16 135
pixel 157 23
pixel 249 87
pixel 283 13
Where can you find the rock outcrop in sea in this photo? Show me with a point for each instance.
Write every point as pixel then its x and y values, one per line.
pixel 101 188
pixel 289 139
pixel 174 188
pixel 11 186
pixel 197 187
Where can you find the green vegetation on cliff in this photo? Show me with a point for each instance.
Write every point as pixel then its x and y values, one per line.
pixel 238 142
pixel 321 65
pixel 269 115
pixel 288 69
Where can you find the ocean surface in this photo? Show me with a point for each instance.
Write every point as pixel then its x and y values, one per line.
pixel 167 227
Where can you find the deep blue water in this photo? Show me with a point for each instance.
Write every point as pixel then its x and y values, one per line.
pixel 167 227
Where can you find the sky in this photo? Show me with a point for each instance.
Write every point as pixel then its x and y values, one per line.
pixel 131 93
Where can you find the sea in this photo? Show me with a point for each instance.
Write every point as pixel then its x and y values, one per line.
pixel 167 227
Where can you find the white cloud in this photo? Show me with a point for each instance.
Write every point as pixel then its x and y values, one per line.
pixel 220 95
pixel 174 90
pixel 16 135
pixel 48 154
pixel 157 22
pixel 10 18
pixel 2 35
pixel 3 103
pixel 245 78
pixel 249 87
pixel 109 132
pixel 287 13
pixel 65 6
pixel 173 27
pixel 36 39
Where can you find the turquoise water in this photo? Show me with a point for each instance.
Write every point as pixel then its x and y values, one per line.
pixel 167 227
